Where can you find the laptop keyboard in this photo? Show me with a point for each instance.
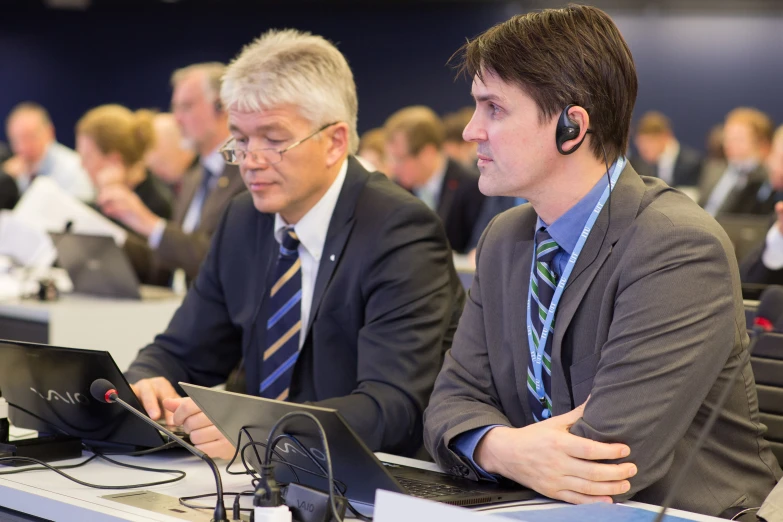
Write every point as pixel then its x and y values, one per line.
pixel 422 489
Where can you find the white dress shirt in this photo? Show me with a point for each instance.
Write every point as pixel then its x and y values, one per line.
pixel 772 257
pixel 311 231
pixel 64 167
pixel 666 162
pixel 429 193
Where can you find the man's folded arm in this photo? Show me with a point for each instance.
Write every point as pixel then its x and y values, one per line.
pixel 673 329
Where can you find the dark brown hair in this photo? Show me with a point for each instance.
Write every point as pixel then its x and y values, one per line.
pixel 559 57
pixel 455 123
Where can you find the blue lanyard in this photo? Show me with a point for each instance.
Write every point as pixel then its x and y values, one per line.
pixel 536 354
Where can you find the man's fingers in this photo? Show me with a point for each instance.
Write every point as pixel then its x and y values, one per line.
pixel 573 497
pixel 196 422
pixel 596 489
pixel 587 449
pixel 220 449
pixel 567 419
pixel 149 400
pixel 597 472
pixel 205 435
pixel 186 409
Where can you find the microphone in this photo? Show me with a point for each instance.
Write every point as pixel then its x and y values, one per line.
pixel 104 391
pixel 770 311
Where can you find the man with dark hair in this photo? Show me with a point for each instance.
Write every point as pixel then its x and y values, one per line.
pixel 622 292
pixel 416 160
pixel 662 156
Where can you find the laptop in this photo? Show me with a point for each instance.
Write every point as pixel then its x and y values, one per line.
pixel 96 265
pixel 354 464
pixel 48 390
pixel 745 231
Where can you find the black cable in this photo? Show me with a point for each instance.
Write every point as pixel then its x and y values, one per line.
pixel 324 443
pixel 181 473
pixel 140 453
pixel 184 501
pixel 40 468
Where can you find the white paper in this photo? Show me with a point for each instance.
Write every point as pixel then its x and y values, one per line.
pixel 24 243
pixel 394 507
pixel 46 206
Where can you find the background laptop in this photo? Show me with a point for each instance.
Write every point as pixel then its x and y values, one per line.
pixel 353 463
pixel 96 265
pixel 48 390
pixel 746 232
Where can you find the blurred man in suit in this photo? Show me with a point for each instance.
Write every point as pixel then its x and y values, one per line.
pixel 206 189
pixel 170 157
pixel 765 265
pixel 747 134
pixel 9 192
pixel 5 152
pixel 662 156
pixel 37 153
pixel 414 154
pixel 628 296
pixel 333 284
pixel 454 146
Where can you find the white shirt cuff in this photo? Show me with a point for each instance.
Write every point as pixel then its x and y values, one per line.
pixel 157 234
pixel 772 257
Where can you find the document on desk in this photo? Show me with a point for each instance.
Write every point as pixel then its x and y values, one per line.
pixel 24 243
pixel 588 513
pixel 46 206
pixel 393 507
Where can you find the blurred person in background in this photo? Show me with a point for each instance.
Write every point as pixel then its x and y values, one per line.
pixel 765 265
pixel 5 152
pixel 170 156
pixel 112 142
pixel 414 152
pixel 454 146
pixel 662 156
pixel 36 153
pixel 372 149
pixel 9 192
pixel 747 134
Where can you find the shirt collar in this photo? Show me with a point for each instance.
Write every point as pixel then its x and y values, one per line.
pixel 312 228
pixel 213 162
pixel 434 184
pixel 568 227
pixel 670 153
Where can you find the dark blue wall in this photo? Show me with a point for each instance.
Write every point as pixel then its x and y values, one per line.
pixel 694 68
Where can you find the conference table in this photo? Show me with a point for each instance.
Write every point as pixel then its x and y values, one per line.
pixel 119 326
pixel 45 495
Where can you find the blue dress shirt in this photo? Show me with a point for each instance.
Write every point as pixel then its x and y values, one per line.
pixel 565 231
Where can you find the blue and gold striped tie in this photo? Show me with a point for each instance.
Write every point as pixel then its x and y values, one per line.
pixel 543 284
pixel 285 321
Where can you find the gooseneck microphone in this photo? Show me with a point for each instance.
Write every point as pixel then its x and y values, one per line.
pixel 770 312
pixel 104 391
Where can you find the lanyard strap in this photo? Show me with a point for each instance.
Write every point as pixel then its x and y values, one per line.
pixel 536 354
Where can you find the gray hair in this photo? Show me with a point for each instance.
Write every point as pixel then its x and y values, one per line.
pixel 213 74
pixel 297 68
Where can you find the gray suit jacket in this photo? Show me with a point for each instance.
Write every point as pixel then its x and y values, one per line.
pixel 178 249
pixel 650 324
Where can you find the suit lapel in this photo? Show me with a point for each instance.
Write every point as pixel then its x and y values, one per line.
pixel 190 184
pixel 225 189
pixel 517 304
pixel 340 227
pixel 625 201
pixel 447 189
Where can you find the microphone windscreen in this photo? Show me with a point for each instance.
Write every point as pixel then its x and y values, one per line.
pixel 771 304
pixel 99 388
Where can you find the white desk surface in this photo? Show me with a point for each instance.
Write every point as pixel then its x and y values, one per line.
pixel 47 495
pixel 119 326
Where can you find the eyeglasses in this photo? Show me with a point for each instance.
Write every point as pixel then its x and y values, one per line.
pixel 234 156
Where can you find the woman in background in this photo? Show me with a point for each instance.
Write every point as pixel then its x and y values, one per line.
pixel 112 142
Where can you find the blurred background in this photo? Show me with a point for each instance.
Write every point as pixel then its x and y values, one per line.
pixel 696 59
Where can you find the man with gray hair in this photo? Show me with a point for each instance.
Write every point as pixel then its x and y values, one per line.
pixel 331 283
pixel 205 190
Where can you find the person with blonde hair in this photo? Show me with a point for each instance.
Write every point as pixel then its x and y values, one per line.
pixel 333 285
pixel 112 142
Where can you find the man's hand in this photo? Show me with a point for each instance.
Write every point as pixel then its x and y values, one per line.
pixel 121 203
pixel 779 212
pixel 152 392
pixel 547 458
pixel 15 167
pixel 203 434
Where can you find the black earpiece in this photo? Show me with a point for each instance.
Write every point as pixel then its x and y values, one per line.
pixel 567 130
pixel 218 106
